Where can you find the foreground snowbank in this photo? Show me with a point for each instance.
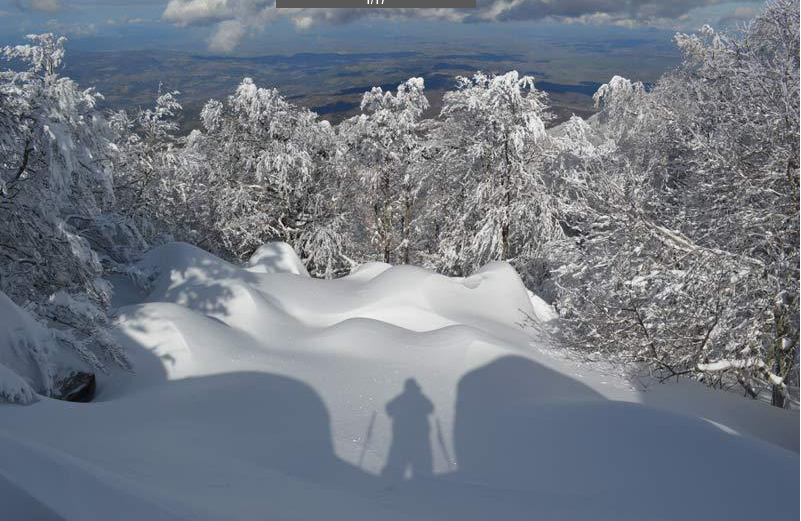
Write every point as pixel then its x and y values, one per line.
pixel 258 393
pixel 29 361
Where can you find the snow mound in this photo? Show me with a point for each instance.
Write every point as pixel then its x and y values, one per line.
pixel 368 270
pixel 197 280
pixel 258 393
pixel 276 257
pixel 543 312
pixel 180 256
pixel 14 388
pixel 27 355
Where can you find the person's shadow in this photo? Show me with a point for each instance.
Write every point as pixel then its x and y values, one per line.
pixel 411 445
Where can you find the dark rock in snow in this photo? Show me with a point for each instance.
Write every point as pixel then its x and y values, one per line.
pixel 77 387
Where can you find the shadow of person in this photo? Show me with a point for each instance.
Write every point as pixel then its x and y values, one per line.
pixel 411 445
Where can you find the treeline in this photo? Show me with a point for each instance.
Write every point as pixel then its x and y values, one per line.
pixel 664 229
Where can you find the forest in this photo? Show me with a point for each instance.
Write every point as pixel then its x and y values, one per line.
pixel 664 230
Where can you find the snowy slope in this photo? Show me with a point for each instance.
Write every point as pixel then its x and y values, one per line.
pixel 261 393
pixel 28 361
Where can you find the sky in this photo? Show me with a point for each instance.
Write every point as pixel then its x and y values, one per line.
pixel 246 27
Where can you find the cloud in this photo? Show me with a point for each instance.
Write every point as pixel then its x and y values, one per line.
pixel 303 22
pixel 77 30
pixel 205 12
pixel 40 6
pixel 227 36
pixel 741 14
pixel 125 20
pixel 251 15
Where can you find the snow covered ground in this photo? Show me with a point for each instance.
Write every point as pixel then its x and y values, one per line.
pixel 261 393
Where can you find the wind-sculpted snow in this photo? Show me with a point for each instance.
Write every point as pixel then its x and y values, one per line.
pixel 266 394
pixel 254 300
pixel 276 257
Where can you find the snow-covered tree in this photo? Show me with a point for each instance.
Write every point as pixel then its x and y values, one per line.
pixel 494 145
pixel 688 251
pixel 54 184
pixel 383 145
pixel 148 164
pixel 266 169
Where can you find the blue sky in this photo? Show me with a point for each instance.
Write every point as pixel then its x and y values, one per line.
pixel 250 26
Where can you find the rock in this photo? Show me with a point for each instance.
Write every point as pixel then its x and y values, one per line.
pixel 77 387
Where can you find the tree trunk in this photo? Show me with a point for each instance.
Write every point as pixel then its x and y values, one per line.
pixel 386 221
pixel 505 242
pixel 406 227
pixel 777 392
pixel 507 182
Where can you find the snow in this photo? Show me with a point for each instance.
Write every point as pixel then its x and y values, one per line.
pixel 543 312
pixel 260 394
pixel 14 388
pixel 27 360
pixel 276 257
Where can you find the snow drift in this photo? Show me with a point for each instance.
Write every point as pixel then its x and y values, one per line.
pixel 259 392
pixel 27 358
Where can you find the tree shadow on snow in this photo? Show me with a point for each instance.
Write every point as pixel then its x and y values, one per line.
pixel 196 281
pixel 521 426
pixel 199 285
